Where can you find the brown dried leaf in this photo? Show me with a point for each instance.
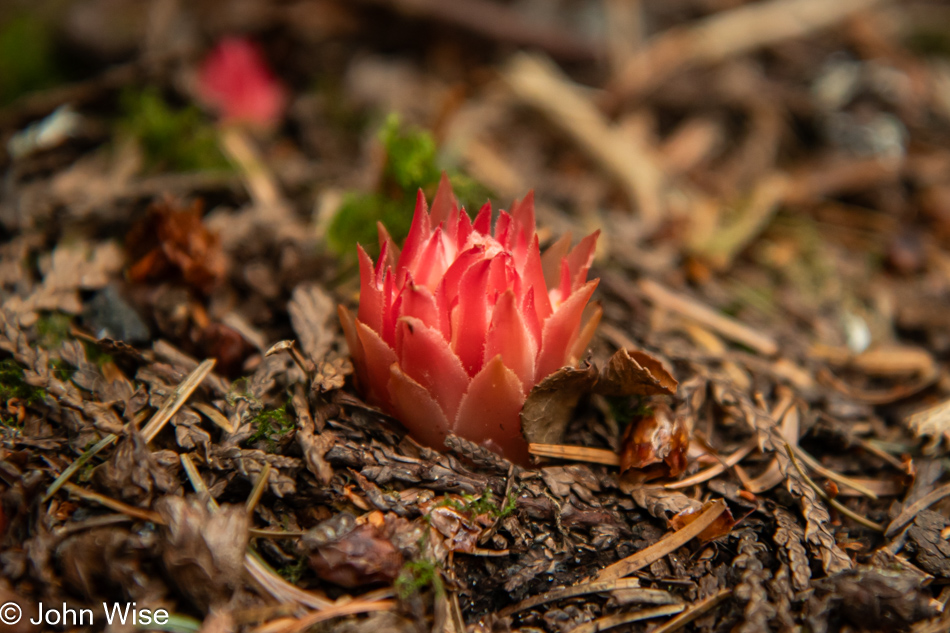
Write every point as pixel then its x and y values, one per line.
pixel 654 445
pixel 633 372
pixel 659 501
pixel 932 422
pixel 171 240
pixel 550 404
pixel 203 549
pixel 351 555
pixel 720 527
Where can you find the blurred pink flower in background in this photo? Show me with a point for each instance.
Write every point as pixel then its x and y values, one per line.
pixel 454 331
pixel 235 80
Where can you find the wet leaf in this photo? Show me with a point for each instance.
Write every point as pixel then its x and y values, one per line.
pixel 551 403
pixel 654 445
pixel 633 372
pixel 172 242
pixel 350 554
pixel 720 527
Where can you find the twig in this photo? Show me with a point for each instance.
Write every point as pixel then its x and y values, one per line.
pixel 176 399
pixel 866 522
pixel 575 453
pixel 911 511
pixel 730 328
pixel 540 84
pixel 610 621
pixel 664 546
pixel 77 464
pixel 654 596
pixel 698 609
pixel 715 469
pixel 728 34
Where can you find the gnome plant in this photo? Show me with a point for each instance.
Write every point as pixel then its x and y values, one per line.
pixel 454 331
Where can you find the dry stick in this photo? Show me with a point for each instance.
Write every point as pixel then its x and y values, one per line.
pixel 655 596
pixel 288 625
pixel 610 621
pixel 728 34
pixel 700 608
pixel 214 415
pixel 77 464
pixel 715 469
pixel 279 588
pixel 812 463
pixel 266 578
pixel 911 511
pixel 664 546
pixel 113 504
pixel 866 522
pixel 177 398
pixel 540 84
pixel 686 306
pixel 576 453
pixel 258 489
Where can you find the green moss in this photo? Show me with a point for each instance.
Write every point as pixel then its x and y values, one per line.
pixel 293 572
pixel 416 576
pixel 175 139
pixel 411 164
pixel 26 57
pixel 482 504
pixel 13 385
pixel 52 329
pixel 61 369
pixel 271 425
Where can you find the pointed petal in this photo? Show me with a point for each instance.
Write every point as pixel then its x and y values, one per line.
pixel 530 314
pixel 522 215
pixel 503 229
pixel 377 358
pixel 482 222
pixel 419 234
pixel 386 240
pixel 453 276
pixel 509 338
pixel 563 290
pixel 490 412
pixel 471 316
pixel 586 334
pixel 464 230
pixel 533 276
pixel 561 330
pixel 580 259
pixel 419 302
pixel 370 311
pixel 417 410
pixel 427 358
pixel 444 203
pixel 391 308
pixel 551 259
pixel 431 264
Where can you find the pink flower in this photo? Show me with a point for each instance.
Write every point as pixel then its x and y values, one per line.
pixel 453 332
pixel 234 80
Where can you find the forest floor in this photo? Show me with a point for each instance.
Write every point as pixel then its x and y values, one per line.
pixel 772 182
